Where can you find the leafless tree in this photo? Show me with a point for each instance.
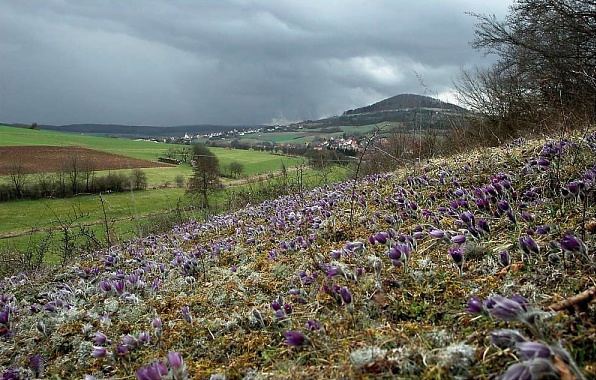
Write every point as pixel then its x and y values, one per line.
pixel 72 169
pixel 546 53
pixel 87 170
pixel 18 177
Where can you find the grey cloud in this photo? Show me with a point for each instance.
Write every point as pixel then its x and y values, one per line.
pixel 227 62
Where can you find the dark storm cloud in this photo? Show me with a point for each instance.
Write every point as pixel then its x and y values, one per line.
pixel 226 62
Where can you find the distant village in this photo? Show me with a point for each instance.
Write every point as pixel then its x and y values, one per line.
pixel 233 139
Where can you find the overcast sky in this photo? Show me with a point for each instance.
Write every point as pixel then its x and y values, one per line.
pixel 173 62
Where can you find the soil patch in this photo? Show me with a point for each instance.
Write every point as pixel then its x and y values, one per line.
pixel 39 159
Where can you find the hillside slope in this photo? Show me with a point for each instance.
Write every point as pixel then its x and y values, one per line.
pixel 403 102
pixel 289 288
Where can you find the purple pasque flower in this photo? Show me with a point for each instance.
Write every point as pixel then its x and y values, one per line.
pixel 185 311
pixel 156 323
pixel 530 350
pixel 381 237
pixel 154 371
pixel 119 286
pixel 280 314
pixel 457 255
pixel 144 337
pixel 506 338
pixel 105 285
pixel 503 205
pixel 10 374
pixel 475 305
pixel 275 305
pixel 437 233
pixel 345 294
pixel 528 245
pixel 507 309
pixel 313 325
pixel 400 252
pixel 527 216
pixel 504 258
pixel 458 239
pixel 295 338
pixel 122 350
pixel 99 339
pixel 483 226
pixel 288 308
pixel 533 369
pixel 575 187
pixel 129 341
pixel 177 365
pixel 571 243
pixel 468 218
pixel 99 352
pixel 36 363
pixel 542 230
pixel 4 316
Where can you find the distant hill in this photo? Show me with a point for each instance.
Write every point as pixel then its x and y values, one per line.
pixel 405 102
pixel 412 111
pixel 141 131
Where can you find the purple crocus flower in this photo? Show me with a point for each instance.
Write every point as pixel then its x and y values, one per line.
pixel 530 350
pixel 153 371
pixel 475 305
pixel 294 338
pixel 542 230
pixel 458 239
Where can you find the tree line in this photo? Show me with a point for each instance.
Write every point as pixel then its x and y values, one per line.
pixel 77 176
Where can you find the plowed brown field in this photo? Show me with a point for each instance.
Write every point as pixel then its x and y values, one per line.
pixel 38 159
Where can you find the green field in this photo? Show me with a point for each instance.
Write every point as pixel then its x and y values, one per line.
pixel 255 162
